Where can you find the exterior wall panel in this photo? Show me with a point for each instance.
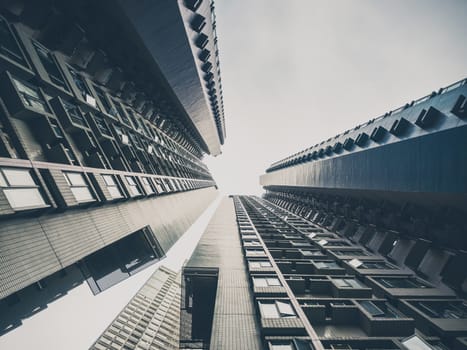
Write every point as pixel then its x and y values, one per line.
pixel 32 248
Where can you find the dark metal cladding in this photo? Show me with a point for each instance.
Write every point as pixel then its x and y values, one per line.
pixel 404 171
pixel 419 149
pixel 174 35
pixel 104 120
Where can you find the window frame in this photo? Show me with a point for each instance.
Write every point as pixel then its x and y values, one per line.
pixel 283 309
pixel 113 185
pixel 6 187
pixel 133 186
pixel 83 185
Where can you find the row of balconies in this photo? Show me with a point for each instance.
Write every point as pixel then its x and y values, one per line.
pixel 51 75
pixel 398 124
pixel 333 303
pixel 425 258
pixel 48 186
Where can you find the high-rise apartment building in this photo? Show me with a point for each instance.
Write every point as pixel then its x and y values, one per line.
pixel 106 111
pixel 151 320
pixel 358 243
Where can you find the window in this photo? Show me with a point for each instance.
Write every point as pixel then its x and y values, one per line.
pixel 441 309
pixel 112 186
pixel 348 283
pixel 50 66
pixel 82 87
pixel 401 283
pixel 323 242
pixel 282 346
pixel 102 125
pixel 295 344
pixel 252 243
pixel 414 342
pixel 259 264
pixel 306 253
pixel 376 265
pixel 78 187
pixel 8 45
pixel 20 189
pixel 326 265
pixel 266 282
pixel 159 185
pixel 105 103
pixel 56 128
pixel 276 309
pixel 381 309
pixel 350 252
pixel 255 252
pixel 30 96
pixel 75 114
pixel 147 184
pixel 132 186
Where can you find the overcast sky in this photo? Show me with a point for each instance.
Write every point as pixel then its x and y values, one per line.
pixel 297 72
pixel 294 73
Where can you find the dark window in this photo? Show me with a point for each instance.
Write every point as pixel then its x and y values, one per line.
pixel 74 113
pixel 102 125
pixel 8 45
pixel 50 66
pixel 380 309
pixel 401 283
pixel 80 84
pixel 30 96
pixel 442 309
pixel 104 101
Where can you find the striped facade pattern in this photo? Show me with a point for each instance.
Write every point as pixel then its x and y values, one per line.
pixel 33 248
pixel 151 319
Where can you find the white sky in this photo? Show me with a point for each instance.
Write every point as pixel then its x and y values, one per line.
pixel 297 72
pixel 294 73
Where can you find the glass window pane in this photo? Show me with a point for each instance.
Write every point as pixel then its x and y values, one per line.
pixel 2 180
pixel 130 181
pixel 282 347
pixel 109 180
pixel 415 343
pixel 24 197
pixel 260 282
pixel 114 192
pixel 76 179
pixel 269 310
pixel 341 283
pixel 28 90
pixel 273 281
pixel 134 190
pixel 285 309
pixel 372 309
pixel 18 177
pixel 254 264
pixel 82 194
pixel 354 283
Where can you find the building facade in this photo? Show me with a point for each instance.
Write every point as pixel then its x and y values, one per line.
pixel 151 320
pixel 106 111
pixel 358 243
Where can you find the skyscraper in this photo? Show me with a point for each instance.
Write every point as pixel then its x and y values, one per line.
pixel 151 320
pixel 358 243
pixel 106 111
